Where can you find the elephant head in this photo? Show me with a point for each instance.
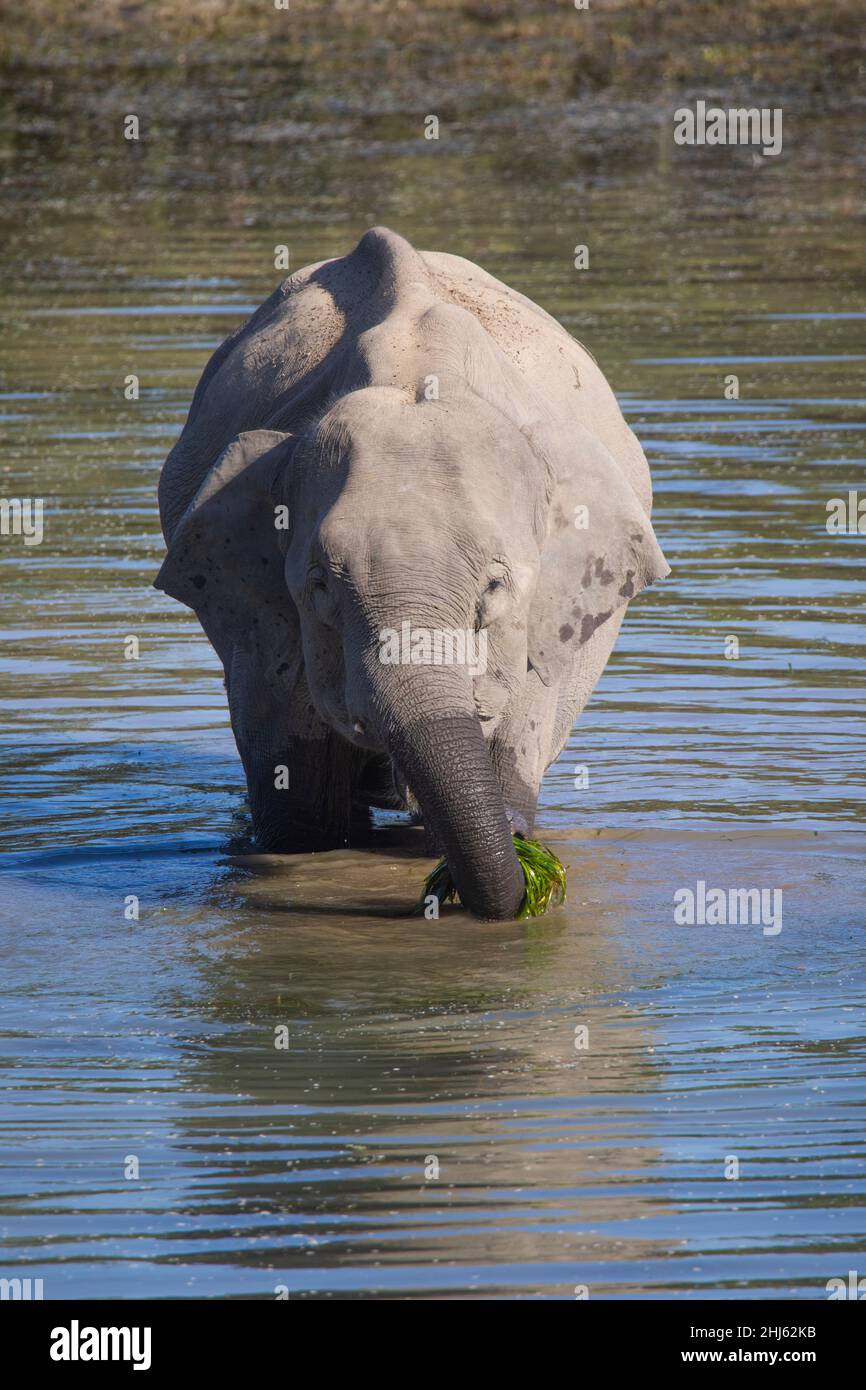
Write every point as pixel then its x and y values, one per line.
pixel 435 553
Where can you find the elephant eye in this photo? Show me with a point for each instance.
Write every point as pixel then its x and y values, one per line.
pixel 320 596
pixel 493 603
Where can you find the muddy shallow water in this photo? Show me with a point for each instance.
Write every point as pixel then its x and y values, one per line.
pixel 438 1124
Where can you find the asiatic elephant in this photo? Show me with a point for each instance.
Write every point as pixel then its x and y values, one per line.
pixel 395 463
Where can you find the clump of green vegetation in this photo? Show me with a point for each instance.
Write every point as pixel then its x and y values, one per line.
pixel 543 872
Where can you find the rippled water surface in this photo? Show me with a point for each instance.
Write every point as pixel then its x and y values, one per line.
pixel 414 1049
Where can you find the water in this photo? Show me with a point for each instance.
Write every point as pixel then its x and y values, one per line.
pixel 450 1047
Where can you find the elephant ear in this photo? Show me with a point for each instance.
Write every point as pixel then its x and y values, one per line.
pixel 600 551
pixel 225 560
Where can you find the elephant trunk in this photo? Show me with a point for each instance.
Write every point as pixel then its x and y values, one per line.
pixel 430 725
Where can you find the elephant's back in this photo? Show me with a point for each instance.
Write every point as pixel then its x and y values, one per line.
pixel 557 367
pixel 301 348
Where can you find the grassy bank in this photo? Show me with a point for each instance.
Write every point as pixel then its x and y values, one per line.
pixel 383 54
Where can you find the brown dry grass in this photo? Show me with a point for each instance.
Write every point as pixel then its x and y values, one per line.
pixel 504 49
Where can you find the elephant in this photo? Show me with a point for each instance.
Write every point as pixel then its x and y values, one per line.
pixel 397 443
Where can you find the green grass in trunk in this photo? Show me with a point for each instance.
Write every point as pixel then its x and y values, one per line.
pixel 543 872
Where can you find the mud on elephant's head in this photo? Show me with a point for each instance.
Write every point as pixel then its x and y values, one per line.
pixel 428 557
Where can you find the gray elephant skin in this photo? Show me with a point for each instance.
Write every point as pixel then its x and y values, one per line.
pixel 397 438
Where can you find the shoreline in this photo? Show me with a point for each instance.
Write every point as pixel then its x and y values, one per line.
pixel 188 58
